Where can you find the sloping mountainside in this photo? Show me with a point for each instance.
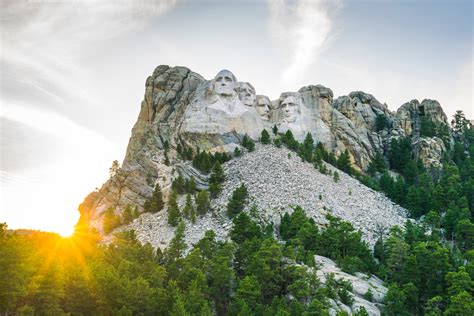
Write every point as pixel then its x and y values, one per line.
pixel 277 180
pixel 229 203
pixel 182 114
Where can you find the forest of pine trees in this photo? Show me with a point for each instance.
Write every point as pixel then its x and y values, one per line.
pixel 427 265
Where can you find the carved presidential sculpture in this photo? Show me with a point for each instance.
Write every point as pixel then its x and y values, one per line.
pixel 247 94
pixel 263 106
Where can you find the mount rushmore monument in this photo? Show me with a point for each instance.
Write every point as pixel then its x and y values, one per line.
pixel 181 109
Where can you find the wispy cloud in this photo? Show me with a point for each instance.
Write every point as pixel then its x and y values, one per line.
pixel 46 44
pixel 302 29
pixel 50 97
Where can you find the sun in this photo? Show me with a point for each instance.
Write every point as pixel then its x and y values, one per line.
pixel 65 231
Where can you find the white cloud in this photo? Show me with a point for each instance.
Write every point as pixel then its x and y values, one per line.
pixel 48 84
pixel 301 29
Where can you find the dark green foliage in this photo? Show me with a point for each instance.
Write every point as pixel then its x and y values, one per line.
pixel 381 122
pixel 202 162
pixel 237 202
pixel 188 211
pixel 174 214
pixel 289 141
pixel 203 203
pixel 277 142
pixel 306 149
pixel 336 176
pixel 179 185
pixel 431 128
pixel 216 179
pixel 344 162
pixel 399 154
pixel 344 292
pixel 339 241
pixel 265 137
pixel 155 203
pixel 275 129
pixel 237 152
pixel 244 229
pixel 248 143
pixel 377 164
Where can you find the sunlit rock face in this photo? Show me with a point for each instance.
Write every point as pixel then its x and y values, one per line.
pixel 218 110
pixel 181 108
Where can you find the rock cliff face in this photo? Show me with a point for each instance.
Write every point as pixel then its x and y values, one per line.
pixel 182 109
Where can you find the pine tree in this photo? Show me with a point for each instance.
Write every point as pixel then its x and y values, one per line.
pixel 265 137
pixel 275 129
pixel 188 207
pixel 248 143
pixel 336 176
pixel 216 179
pixel 307 148
pixel 344 162
pixel 237 202
pixel 202 203
pixel 381 122
pixel 155 203
pixel 173 209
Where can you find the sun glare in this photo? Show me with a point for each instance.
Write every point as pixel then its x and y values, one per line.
pixel 66 231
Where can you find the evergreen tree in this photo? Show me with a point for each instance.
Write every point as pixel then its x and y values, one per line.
pixel 216 179
pixel 265 137
pixel 377 164
pixel 381 122
pixel 289 141
pixel 188 209
pixel 237 202
pixel 177 245
pixel 244 229
pixel 344 162
pixel 202 203
pixel 237 152
pixel 307 148
pixel 155 203
pixel 336 176
pixel 248 143
pixel 174 214
pixel 275 129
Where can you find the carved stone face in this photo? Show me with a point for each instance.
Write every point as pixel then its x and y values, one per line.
pixel 263 107
pixel 247 94
pixel 225 83
pixel 291 108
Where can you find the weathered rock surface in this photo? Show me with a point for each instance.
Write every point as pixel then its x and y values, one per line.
pixel 181 107
pixel 361 284
pixel 277 180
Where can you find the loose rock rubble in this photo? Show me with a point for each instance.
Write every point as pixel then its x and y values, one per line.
pixel 277 180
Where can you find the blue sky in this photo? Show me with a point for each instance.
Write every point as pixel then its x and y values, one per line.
pixel 73 74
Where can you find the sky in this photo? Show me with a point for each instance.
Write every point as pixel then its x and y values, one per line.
pixel 72 74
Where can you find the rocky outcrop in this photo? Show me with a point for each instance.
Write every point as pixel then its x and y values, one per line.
pixel 430 150
pixel 361 284
pixel 181 108
pixel 410 114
